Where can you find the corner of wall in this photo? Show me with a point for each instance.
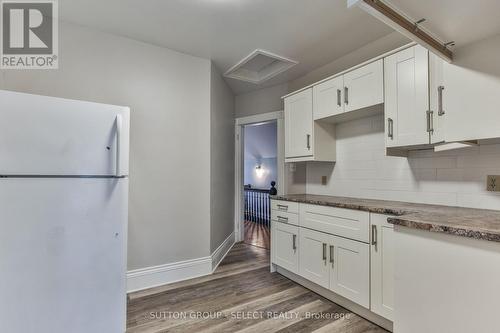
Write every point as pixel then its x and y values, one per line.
pixel 221 160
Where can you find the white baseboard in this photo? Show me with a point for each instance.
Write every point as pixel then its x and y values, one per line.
pixel 221 252
pixel 155 276
pixel 149 277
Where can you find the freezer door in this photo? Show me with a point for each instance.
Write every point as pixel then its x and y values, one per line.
pixel 42 135
pixel 63 255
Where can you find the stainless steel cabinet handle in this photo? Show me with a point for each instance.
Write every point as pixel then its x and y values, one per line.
pixel 440 101
pixel 346 95
pixel 374 236
pixel 339 97
pixel 430 121
pixel 332 261
pixel 282 207
pixel 282 218
pixel 294 242
pixel 390 128
pixel 324 252
pixel 308 137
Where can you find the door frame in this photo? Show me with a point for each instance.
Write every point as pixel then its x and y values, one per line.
pixel 239 203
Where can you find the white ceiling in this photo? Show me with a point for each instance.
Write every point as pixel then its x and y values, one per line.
pixel 313 32
pixel 462 21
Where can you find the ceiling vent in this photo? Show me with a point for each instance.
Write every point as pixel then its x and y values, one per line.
pixel 259 66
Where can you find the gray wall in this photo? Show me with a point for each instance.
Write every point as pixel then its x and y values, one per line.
pixel 260 101
pixel 221 160
pixel 169 97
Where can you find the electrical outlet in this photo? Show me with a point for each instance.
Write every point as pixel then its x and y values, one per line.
pixel 493 183
pixel 323 180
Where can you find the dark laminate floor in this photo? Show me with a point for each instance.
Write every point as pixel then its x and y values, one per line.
pixel 257 235
pixel 241 296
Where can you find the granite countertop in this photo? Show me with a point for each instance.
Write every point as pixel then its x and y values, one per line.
pixel 466 222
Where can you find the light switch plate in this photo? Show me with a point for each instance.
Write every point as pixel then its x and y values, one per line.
pixel 493 183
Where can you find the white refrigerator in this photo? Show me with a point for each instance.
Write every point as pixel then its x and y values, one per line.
pixel 63 215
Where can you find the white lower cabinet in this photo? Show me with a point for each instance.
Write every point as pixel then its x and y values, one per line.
pixel 382 266
pixel 350 270
pixel 358 268
pixel 339 264
pixel 285 248
pixel 313 256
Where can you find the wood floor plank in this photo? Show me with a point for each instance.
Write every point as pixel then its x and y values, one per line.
pixel 242 284
pixel 257 234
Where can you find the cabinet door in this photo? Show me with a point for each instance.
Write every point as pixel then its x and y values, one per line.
pixel 327 97
pixel 286 245
pixel 472 92
pixel 350 270
pixel 382 266
pixel 299 124
pixel 364 86
pixel 407 97
pixel 313 256
pixel 436 97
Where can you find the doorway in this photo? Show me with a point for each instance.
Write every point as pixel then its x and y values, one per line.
pixel 259 173
pixel 260 165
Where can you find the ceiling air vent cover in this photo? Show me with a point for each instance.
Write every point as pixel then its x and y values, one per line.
pixel 259 66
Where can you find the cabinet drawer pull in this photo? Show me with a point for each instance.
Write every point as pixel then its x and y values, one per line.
pixel 282 207
pixel 346 95
pixel 308 141
pixel 332 261
pixel 374 236
pixel 440 101
pixel 390 128
pixel 282 218
pixel 324 252
pixel 339 97
pixel 294 243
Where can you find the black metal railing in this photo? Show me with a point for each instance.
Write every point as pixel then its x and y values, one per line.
pixel 257 206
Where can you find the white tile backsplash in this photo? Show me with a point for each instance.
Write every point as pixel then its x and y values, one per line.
pixel 455 177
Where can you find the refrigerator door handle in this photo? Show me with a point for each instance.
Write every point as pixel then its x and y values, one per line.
pixel 118 144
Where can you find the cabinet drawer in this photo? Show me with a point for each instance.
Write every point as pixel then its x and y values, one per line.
pixel 285 206
pixel 285 217
pixel 347 223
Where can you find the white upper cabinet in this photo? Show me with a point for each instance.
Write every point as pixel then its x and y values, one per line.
pixel 299 125
pixel 305 139
pixel 364 87
pixel 328 98
pixel 472 92
pixel 407 97
pixel 357 89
